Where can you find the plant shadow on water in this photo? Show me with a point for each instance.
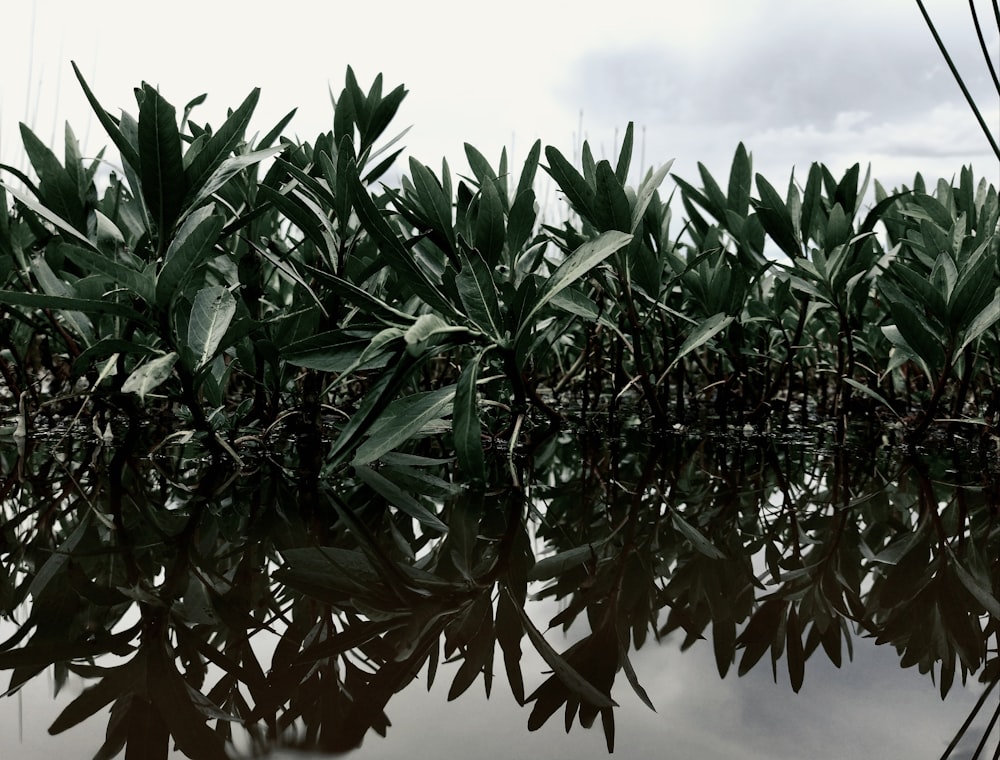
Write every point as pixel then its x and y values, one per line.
pixel 152 579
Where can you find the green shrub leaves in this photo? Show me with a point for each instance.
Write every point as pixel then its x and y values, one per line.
pixel 310 286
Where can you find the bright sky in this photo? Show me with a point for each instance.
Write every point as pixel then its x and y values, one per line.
pixel 796 80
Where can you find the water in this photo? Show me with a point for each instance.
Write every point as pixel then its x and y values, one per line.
pixel 300 603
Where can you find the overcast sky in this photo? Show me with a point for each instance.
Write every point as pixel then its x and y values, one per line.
pixel 796 80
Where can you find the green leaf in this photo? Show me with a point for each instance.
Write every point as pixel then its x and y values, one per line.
pixel 478 657
pixel 434 203
pixel 65 303
pixel 50 216
pixel 139 283
pixel 760 632
pixel 466 428
pixel 611 205
pixel 521 221
pixel 645 194
pixel 332 351
pixel 528 171
pixel 576 265
pixel 189 249
pixel 921 340
pixel 571 182
pixel 478 294
pixel 982 322
pixel 57 187
pixel 557 564
pixel 56 561
pixel 980 592
pixel 127 149
pixel 870 393
pixel 381 116
pixel 220 144
pixel 838 228
pixel 976 286
pixel 150 375
pixel 566 673
pixel 418 336
pixel 571 300
pixel 811 204
pixel 718 203
pixel 390 246
pixel 174 701
pixel 402 499
pixel 740 175
pixel 776 219
pixel 161 165
pixel 794 655
pixel 224 172
pixel 288 269
pixel 371 305
pixel 116 681
pixel 480 165
pixel 489 233
pixel 701 544
pixel 625 156
pixel 211 314
pixel 703 333
pixel 401 420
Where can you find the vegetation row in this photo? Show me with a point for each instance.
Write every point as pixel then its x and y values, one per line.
pixel 237 286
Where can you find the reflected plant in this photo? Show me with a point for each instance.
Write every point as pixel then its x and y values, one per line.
pixel 155 580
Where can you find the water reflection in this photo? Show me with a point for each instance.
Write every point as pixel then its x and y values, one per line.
pixel 289 607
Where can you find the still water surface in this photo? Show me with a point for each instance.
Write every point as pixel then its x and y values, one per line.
pixel 689 538
pixel 869 708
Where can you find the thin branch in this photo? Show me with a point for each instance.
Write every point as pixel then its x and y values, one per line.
pixel 958 78
pixel 982 41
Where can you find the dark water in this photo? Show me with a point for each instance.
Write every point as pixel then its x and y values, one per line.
pixel 312 608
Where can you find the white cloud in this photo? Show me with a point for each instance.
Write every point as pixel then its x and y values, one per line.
pixel 789 78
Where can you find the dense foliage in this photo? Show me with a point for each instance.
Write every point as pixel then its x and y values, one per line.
pixel 287 308
pixel 190 287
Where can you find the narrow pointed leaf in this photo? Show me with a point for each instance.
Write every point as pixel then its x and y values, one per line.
pixel 566 673
pixel 701 544
pixel 161 165
pixel 401 420
pixel 466 428
pixel 740 176
pixel 190 248
pixel 489 233
pixel 50 216
pixel 128 150
pixel 645 193
pixel 573 185
pixel 222 142
pixel 225 171
pixel 610 202
pixel 705 331
pixel 576 265
pixel 400 259
pixel 478 293
pixel 981 323
pixel 403 500
pixel 776 219
pixel 625 155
